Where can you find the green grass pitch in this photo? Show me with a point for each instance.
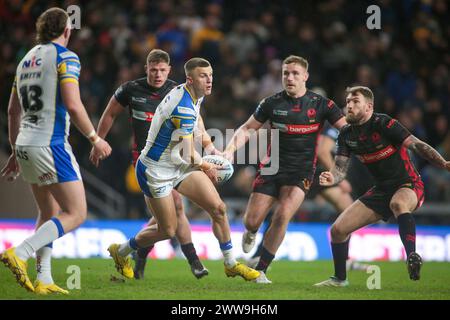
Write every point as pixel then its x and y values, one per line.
pixel 172 280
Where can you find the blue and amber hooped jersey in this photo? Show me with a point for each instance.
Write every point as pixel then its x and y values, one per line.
pixel 45 120
pixel 175 117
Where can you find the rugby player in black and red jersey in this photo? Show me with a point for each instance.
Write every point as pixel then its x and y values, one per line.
pixel 299 114
pixel 142 97
pixel 381 144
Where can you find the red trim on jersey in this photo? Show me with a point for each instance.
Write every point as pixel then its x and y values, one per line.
pixel 419 191
pixel 259 180
pixel 134 150
pixel 315 151
pixel 302 129
pixel 330 104
pixel 408 164
pixel 377 156
pixel 135 156
pixel 391 123
pixel 149 116
pixel 266 158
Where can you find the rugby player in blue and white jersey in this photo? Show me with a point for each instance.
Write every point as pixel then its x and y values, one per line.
pixel 160 169
pixel 45 96
pixel 141 97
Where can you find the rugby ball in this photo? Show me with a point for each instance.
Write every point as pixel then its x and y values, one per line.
pixel 226 172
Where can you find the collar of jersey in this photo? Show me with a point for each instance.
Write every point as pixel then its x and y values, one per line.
pixel 187 90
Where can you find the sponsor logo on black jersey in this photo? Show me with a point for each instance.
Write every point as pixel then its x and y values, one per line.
pixel 280 112
pixel 377 156
pixel 138 99
pixel 296 108
pixel 352 144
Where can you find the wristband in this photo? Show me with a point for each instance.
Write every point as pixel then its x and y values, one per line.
pixel 95 140
pixel 91 134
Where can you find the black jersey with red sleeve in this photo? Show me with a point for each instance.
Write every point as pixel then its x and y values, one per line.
pixel 141 100
pixel 300 121
pixel 378 145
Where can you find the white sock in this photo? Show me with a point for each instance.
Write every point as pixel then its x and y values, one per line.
pixel 229 259
pixel 227 251
pixel 43 265
pixel 127 247
pixel 48 232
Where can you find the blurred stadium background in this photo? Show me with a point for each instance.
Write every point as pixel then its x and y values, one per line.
pixel 406 63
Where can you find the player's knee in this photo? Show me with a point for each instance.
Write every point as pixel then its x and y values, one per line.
pixel 338 232
pixel 397 207
pixel 251 222
pixel 80 217
pixel 169 231
pixel 219 211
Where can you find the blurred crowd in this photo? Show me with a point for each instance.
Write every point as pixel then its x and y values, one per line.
pixel 406 62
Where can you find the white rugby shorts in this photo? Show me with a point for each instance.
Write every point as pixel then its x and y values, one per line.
pixel 48 165
pixel 158 180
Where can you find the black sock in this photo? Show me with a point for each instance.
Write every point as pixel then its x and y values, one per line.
pixel 189 252
pixel 340 254
pixel 258 251
pixel 407 231
pixel 143 252
pixel 349 237
pixel 265 260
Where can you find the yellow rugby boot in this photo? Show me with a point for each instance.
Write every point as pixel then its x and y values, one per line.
pixel 240 269
pixel 18 267
pixel 40 288
pixel 123 264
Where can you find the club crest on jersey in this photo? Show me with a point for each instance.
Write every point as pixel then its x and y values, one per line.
pixel 376 137
pixel 311 113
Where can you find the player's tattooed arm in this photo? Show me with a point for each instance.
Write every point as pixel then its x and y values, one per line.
pixel 426 152
pixel 340 168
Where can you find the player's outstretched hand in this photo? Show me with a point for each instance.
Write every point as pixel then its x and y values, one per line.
pixel 100 151
pixel 11 170
pixel 326 179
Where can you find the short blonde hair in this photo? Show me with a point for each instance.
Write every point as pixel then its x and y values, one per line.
pixel 193 63
pixel 297 59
